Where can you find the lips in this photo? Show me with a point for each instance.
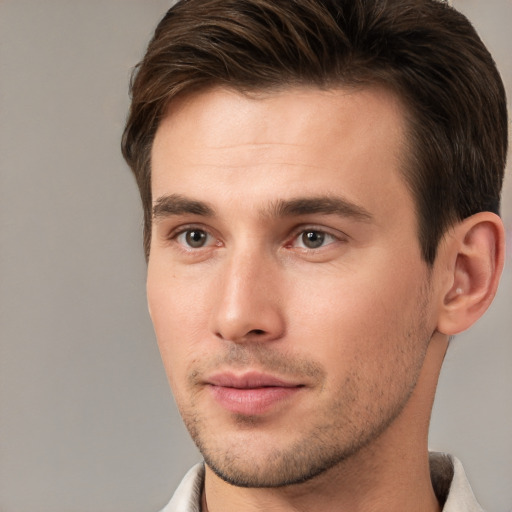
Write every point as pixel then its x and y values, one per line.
pixel 251 393
pixel 248 381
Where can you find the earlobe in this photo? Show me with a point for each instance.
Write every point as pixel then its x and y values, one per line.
pixel 475 255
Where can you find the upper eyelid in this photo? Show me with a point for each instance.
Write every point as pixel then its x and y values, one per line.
pixel 336 233
pixel 179 232
pixel 182 228
pixel 297 239
pixel 295 232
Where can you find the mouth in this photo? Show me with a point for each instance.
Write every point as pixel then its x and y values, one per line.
pixel 251 393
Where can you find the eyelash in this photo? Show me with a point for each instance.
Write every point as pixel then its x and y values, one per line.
pixel 293 240
pixel 183 231
pixel 321 233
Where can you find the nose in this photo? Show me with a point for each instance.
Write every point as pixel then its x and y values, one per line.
pixel 248 306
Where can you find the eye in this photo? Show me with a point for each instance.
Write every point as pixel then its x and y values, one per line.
pixel 313 239
pixel 194 238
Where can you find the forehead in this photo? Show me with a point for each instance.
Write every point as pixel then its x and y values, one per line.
pixel 220 140
pixel 255 113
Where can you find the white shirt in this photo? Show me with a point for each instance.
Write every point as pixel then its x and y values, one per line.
pixel 446 471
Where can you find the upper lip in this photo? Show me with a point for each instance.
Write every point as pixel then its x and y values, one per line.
pixel 248 380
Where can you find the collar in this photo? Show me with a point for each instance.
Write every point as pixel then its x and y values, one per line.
pixel 448 479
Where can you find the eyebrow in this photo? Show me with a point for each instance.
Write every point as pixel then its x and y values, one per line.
pixel 324 205
pixel 176 204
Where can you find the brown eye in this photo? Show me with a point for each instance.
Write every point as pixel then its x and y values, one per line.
pixel 195 238
pixel 313 239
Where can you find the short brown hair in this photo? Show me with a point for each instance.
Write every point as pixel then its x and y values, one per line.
pixel 424 50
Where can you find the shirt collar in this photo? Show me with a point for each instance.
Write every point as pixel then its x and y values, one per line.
pixel 448 479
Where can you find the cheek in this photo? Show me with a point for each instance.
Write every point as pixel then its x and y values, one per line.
pixel 178 318
pixel 360 320
pixel 176 303
pixel 347 305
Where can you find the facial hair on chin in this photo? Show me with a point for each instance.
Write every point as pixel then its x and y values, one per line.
pixel 314 452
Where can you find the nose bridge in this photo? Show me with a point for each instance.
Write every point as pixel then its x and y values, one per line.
pixel 248 304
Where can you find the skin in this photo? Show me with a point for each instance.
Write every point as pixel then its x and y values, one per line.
pixel 347 316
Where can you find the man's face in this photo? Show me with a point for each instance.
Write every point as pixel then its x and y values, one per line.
pixel 285 283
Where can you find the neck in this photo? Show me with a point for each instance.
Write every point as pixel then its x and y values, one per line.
pixel 392 473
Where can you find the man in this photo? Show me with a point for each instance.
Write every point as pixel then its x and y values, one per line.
pixel 320 182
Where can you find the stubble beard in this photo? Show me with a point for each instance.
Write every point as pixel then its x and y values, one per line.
pixel 313 454
pixel 333 439
pixel 339 431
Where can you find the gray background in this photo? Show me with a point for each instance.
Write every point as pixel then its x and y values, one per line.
pixel 86 419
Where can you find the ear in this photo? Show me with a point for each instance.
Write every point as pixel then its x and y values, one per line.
pixel 474 254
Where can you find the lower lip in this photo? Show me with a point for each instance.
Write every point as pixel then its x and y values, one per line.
pixel 252 401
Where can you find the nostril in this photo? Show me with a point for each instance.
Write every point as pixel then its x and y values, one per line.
pixel 258 332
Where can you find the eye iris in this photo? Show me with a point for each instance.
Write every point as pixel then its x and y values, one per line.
pixel 195 238
pixel 313 239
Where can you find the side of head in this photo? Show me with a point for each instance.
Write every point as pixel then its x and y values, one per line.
pixel 427 53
